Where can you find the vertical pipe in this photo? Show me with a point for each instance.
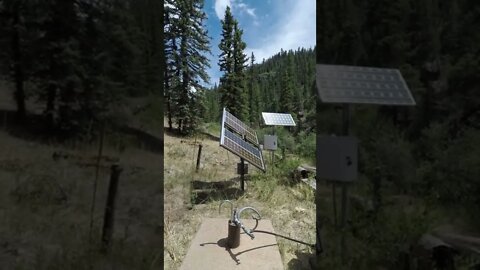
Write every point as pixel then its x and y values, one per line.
pixel 346 132
pixel 273 152
pixel 242 174
pixel 334 195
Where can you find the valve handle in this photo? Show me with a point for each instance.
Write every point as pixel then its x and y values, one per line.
pixel 248 232
pixel 238 221
pixel 232 210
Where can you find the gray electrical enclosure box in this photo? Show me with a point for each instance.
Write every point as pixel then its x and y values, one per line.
pixel 337 158
pixel 270 142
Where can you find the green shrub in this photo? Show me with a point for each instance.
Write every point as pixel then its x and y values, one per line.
pixel 306 146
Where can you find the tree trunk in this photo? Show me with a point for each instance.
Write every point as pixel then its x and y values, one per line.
pixel 18 70
pixel 169 108
pixel 52 91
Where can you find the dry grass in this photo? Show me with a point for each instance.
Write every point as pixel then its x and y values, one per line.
pixel 291 208
pixel 45 208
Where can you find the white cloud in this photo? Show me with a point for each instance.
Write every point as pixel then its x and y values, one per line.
pixel 250 11
pixel 221 6
pixel 296 28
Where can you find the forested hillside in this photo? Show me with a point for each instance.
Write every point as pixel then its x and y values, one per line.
pixel 282 83
pixel 429 152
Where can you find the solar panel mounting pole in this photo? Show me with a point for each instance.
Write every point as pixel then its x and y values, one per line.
pixel 346 131
pixel 242 171
pixel 273 154
pixel 242 174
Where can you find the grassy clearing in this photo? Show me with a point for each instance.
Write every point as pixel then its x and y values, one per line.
pixel 289 205
pixel 45 207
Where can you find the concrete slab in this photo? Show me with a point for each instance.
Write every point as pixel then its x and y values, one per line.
pixel 207 250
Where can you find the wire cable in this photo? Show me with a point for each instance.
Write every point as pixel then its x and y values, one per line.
pixel 286 237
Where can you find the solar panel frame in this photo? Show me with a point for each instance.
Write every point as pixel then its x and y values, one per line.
pixel 278 119
pixel 362 85
pixel 240 127
pixel 240 147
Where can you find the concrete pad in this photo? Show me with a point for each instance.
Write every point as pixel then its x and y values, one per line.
pixel 207 250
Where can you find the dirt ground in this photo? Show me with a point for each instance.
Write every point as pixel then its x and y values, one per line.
pixel 290 208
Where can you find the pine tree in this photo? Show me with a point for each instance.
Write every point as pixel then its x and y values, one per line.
pixel 232 63
pixel 12 24
pixel 239 64
pixel 191 65
pixel 59 52
pixel 226 61
pixel 251 101
pixel 171 19
pixel 287 102
pixel 19 25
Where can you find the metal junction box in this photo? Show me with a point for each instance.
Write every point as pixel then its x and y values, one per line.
pixel 245 168
pixel 337 158
pixel 270 142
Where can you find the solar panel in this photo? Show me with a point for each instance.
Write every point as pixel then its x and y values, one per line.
pixel 239 127
pixel 367 85
pixel 278 119
pixel 234 138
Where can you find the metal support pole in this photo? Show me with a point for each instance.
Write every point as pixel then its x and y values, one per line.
pixel 199 156
pixel 346 132
pixel 334 195
pixel 346 119
pixel 242 174
pixel 344 221
pixel 273 153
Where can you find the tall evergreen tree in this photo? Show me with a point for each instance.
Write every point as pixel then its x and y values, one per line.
pixel 251 101
pixel 287 99
pixel 239 64
pixel 12 14
pixel 171 19
pixel 191 64
pixel 226 61
pixel 232 63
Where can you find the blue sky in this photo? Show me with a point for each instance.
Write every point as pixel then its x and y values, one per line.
pixel 268 26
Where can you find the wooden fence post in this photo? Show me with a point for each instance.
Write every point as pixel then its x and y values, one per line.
pixel 199 156
pixel 5 120
pixel 108 221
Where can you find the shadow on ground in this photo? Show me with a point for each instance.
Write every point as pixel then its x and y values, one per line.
pixel 147 141
pixel 203 191
pixel 34 129
pixel 304 261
